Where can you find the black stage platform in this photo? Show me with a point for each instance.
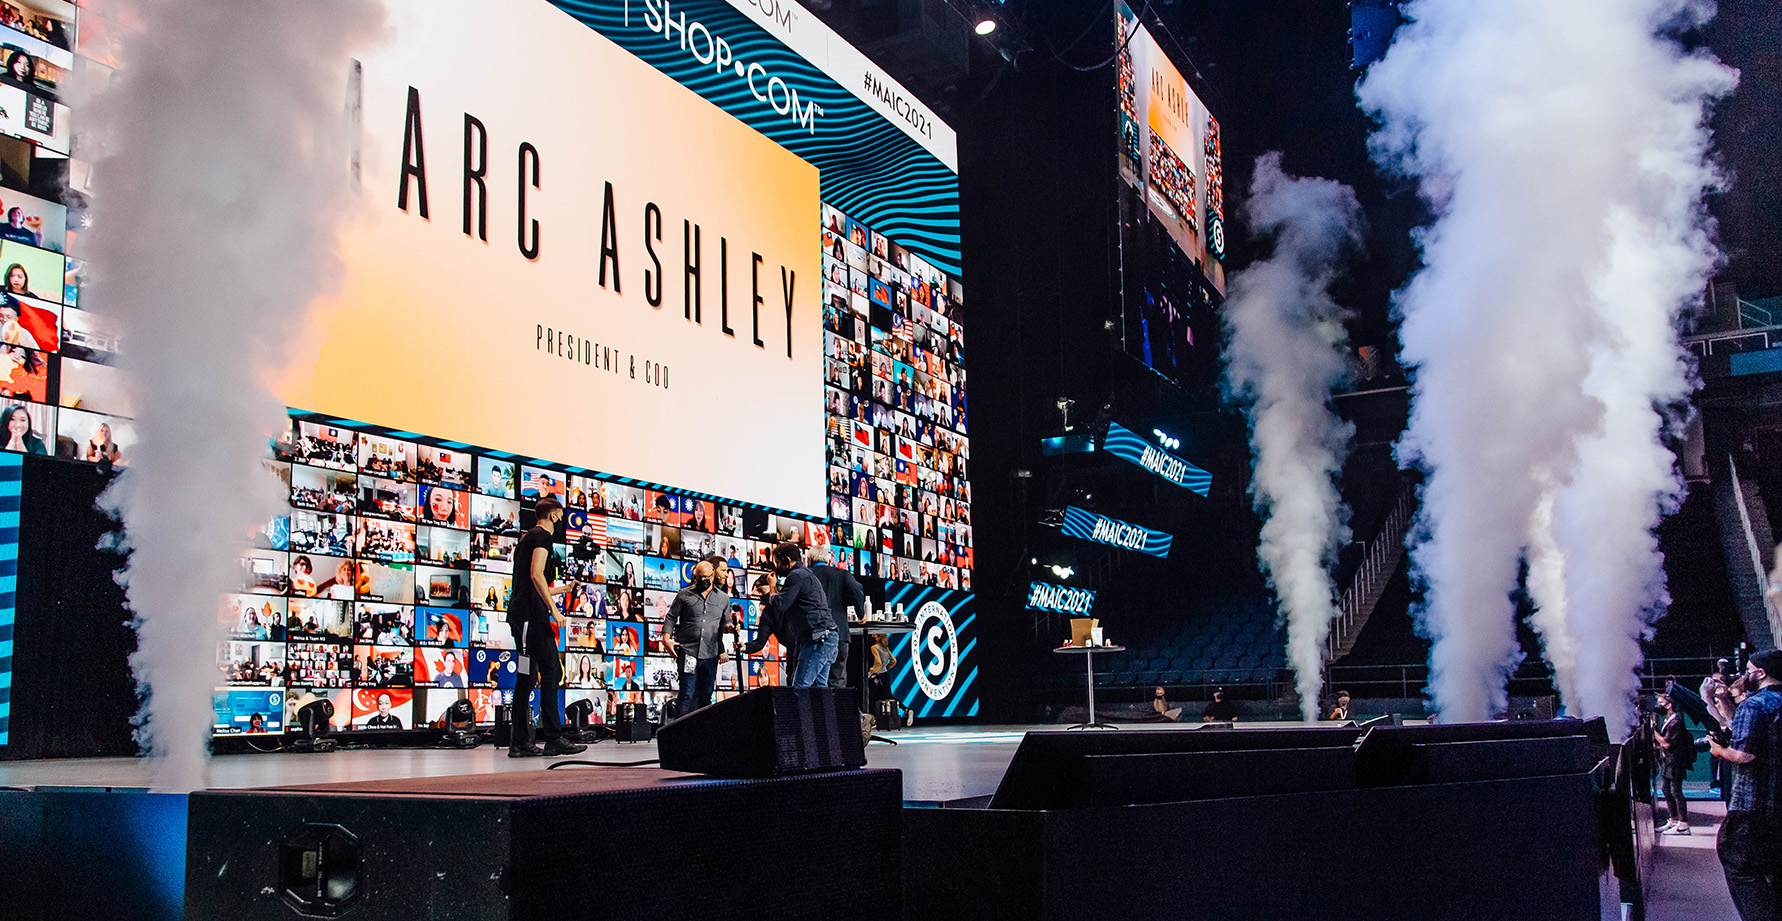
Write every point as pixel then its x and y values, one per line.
pixel 1509 823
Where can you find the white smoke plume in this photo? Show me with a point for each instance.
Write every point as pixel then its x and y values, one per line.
pixel 221 181
pixel 1546 588
pixel 1562 147
pixel 1285 351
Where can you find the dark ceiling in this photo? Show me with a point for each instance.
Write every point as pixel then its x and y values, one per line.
pixel 1278 75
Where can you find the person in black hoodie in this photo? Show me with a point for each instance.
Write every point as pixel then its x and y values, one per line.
pixel 773 624
pixel 804 609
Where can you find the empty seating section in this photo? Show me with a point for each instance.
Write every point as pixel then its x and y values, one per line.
pixel 1230 639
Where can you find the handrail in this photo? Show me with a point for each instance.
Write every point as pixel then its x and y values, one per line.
pixel 1405 682
pixel 1766 319
pixel 1763 576
pixel 1377 565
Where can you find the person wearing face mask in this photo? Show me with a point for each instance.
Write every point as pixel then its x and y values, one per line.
pixel 1676 755
pixel 694 627
pixel 804 609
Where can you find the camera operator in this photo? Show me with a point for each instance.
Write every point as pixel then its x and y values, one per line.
pixel 772 626
pixel 803 610
pixel 1750 843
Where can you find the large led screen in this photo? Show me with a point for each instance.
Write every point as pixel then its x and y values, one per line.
pixel 1170 148
pixel 385 589
pixel 639 241
pixel 586 269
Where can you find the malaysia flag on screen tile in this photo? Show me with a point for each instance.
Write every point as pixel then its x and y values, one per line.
pixel 595 529
pixel 580 524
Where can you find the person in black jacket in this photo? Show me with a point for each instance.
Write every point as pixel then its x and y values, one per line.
pixel 1676 755
pixel 804 608
pixel 844 592
pixel 773 625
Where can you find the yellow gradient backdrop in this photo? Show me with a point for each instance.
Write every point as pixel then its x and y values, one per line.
pixel 436 331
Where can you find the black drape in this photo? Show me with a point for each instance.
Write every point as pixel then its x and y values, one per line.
pixel 72 693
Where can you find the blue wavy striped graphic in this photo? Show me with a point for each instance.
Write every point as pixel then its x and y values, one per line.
pixel 1123 443
pixel 870 169
pixel 12 471
pixel 1082 524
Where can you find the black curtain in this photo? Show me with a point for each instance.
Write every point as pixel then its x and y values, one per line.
pixel 72 693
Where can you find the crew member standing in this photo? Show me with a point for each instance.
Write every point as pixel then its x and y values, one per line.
pixel 804 611
pixel 695 638
pixel 1676 755
pixel 1715 693
pixel 531 614
pixel 843 592
pixel 772 625
pixel 1750 841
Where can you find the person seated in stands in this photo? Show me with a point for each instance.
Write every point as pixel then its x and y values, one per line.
pixel 1160 704
pixel 1341 710
pixel 1219 709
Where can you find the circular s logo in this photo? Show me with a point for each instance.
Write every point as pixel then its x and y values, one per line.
pixel 935 647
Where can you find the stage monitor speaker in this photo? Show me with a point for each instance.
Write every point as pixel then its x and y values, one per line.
pixel 1595 730
pixel 768 732
pixel 1051 769
pixel 1182 777
pixel 527 845
pixel 1460 752
pixel 633 723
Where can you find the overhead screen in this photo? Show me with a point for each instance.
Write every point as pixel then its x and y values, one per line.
pixel 586 274
pixel 1172 230
pixel 1170 148
pixel 674 296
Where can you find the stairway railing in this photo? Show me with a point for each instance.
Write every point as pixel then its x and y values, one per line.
pixel 1763 576
pixel 1378 563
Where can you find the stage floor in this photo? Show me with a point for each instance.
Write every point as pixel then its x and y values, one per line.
pixel 938 763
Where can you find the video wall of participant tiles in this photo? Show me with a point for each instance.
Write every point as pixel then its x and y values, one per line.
pixel 60 392
pixel 895 376
pixel 386 587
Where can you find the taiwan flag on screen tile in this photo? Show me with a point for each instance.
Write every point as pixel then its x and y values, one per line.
pixel 863 435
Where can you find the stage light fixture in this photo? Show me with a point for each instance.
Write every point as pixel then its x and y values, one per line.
pixel 312 722
pixel 985 26
pixel 459 723
pixel 461 713
pixel 1062 572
